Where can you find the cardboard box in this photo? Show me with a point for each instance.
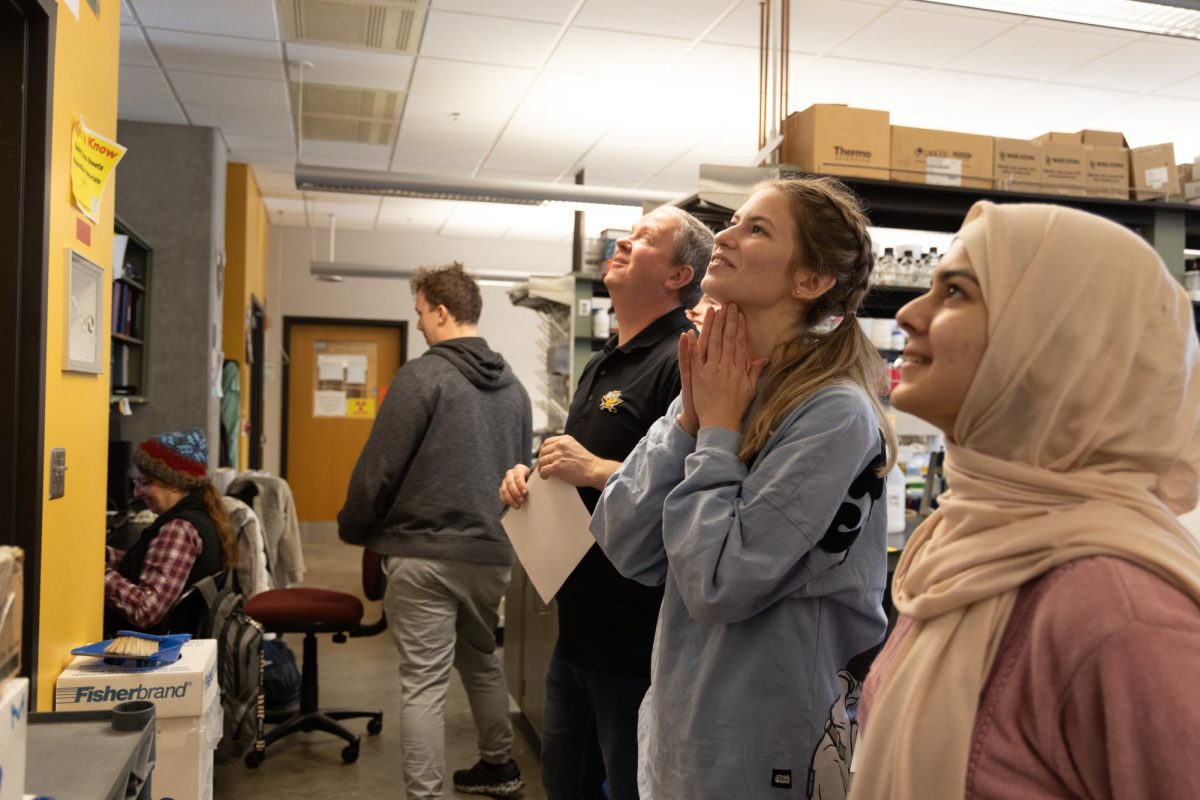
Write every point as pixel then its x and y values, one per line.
pixel 1153 172
pixel 1187 173
pixel 1064 164
pixel 1107 171
pixel 942 158
pixel 1191 191
pixel 1102 138
pixel 838 140
pixel 1018 166
pixel 14 721
pixel 186 698
pixel 12 594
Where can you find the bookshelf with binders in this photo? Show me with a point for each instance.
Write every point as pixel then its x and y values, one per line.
pixel 130 315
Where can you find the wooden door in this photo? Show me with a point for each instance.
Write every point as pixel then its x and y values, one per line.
pixel 338 374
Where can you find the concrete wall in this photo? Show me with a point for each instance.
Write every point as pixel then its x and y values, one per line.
pixel 172 194
pixel 292 291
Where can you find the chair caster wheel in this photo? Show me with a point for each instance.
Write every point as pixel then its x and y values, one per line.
pixel 375 726
pixel 254 758
pixel 350 753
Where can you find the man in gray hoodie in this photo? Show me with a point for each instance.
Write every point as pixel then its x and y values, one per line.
pixel 422 495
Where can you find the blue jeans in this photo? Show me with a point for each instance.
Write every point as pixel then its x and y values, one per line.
pixel 590 732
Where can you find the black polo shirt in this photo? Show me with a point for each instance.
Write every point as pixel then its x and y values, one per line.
pixel 605 621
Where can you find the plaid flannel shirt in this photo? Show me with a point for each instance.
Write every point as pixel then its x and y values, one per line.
pixel 168 563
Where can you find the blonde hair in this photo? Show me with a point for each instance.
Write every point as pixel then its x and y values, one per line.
pixel 832 239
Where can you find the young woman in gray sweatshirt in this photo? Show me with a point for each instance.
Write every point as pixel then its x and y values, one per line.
pixel 758 502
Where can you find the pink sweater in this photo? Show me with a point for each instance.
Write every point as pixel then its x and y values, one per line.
pixel 1095 691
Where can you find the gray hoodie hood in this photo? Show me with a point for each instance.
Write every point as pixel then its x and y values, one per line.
pixel 481 365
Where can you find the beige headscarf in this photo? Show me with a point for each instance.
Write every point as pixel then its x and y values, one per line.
pixel 1079 436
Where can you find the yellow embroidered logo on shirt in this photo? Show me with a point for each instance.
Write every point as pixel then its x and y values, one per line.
pixel 610 401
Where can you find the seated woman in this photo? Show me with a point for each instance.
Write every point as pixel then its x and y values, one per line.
pixel 190 540
pixel 758 504
pixel 1050 636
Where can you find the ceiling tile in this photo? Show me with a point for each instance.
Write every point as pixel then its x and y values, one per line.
pixel 143 82
pixel 685 18
pixel 1188 88
pixel 275 181
pixel 555 11
pixel 412 214
pixel 575 106
pixel 224 90
pixel 553 222
pixel 142 109
pixel 270 144
pixel 240 120
pixel 476 220
pixel 218 55
pixel 487 40
pixel 262 158
pixel 1068 108
pixel 338 66
pixel 471 81
pixel 608 54
pixel 473 115
pixel 253 19
pixel 965 92
pixel 1142 66
pixel 446 146
pixel 602 218
pixel 817 25
pixel 134 49
pixel 347 150
pixel 1029 51
pixel 323 160
pixel 126 15
pixel 725 66
pixel 857 83
pixel 515 151
pixel 739 27
pixel 922 38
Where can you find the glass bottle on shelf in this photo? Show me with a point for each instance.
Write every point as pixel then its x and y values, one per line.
pixel 906 269
pixel 885 268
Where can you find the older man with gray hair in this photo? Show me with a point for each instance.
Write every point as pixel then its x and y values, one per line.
pixel 600 669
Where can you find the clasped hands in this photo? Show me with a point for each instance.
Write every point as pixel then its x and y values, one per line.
pixel 718 377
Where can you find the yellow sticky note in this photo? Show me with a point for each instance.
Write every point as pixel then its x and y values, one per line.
pixel 93 160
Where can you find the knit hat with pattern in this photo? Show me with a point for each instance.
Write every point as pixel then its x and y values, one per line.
pixel 178 458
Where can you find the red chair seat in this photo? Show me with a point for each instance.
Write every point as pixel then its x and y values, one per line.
pixel 300 606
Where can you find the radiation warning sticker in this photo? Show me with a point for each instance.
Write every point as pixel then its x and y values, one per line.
pixel 93 160
pixel 360 407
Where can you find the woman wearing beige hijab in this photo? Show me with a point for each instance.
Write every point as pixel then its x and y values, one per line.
pixel 1049 640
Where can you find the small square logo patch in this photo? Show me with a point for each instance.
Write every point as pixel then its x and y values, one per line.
pixel 781 779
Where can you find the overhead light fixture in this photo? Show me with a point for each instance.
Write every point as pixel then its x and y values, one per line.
pixel 1167 17
pixel 531 193
pixel 334 270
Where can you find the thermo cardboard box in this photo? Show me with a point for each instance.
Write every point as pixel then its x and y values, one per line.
pixel 1064 164
pixel 1153 172
pixel 838 140
pixel 1018 165
pixel 14 702
pixel 1107 171
pixel 942 158
pixel 12 591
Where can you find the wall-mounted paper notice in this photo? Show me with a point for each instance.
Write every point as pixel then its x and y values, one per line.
pixel 356 370
pixel 331 368
pixel 329 404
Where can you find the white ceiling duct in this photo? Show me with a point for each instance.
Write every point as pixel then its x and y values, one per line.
pixel 395 184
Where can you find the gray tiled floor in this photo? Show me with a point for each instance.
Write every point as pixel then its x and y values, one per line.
pixel 358 674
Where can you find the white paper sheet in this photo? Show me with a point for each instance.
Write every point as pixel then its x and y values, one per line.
pixel 331 368
pixel 329 404
pixel 356 370
pixel 550 533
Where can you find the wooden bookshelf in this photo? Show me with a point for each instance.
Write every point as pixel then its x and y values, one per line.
pixel 128 363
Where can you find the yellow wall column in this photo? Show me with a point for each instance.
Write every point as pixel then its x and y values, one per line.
pixel 247 240
pixel 76 411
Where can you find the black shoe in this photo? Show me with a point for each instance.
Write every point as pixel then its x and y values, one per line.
pixel 496 780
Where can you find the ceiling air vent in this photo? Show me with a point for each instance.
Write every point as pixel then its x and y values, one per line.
pixel 347 113
pixel 392 26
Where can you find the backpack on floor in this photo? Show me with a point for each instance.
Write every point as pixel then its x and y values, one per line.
pixel 239 664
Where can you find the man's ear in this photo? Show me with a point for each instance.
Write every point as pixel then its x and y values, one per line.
pixel 680 277
pixel 808 285
pixel 441 314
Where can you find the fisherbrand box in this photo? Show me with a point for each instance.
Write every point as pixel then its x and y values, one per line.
pixel 182 689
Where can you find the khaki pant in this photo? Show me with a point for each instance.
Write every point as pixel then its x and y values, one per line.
pixel 443 612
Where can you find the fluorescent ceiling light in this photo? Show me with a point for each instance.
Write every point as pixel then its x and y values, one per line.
pixel 395 184
pixel 1170 18
pixel 335 271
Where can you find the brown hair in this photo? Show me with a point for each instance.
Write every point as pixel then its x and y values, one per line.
pixel 832 239
pixel 451 287
pixel 216 510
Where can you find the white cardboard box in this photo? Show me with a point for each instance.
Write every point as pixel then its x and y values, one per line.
pixel 187 711
pixel 14 702
pixel 181 689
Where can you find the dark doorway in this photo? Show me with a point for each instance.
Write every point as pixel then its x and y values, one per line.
pixel 26 57
pixel 256 357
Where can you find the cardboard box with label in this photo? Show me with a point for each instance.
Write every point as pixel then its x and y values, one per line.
pixel 1153 172
pixel 187 710
pixel 942 158
pixel 14 719
pixel 836 139
pixel 12 593
pixel 1018 166
pixel 1064 164
pixel 1107 163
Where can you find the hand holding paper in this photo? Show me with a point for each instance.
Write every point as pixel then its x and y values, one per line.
pixel 549 532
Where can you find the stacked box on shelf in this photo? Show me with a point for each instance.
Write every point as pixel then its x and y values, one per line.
pixel 1154 174
pixel 834 139
pixel 942 158
pixel 1018 165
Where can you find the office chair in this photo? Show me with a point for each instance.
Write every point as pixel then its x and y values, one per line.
pixel 312 611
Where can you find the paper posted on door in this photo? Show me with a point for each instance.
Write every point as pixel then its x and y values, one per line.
pixel 549 532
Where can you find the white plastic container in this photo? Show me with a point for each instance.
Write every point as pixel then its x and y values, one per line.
pixel 895 508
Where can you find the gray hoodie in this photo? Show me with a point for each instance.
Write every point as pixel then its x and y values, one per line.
pixel 454 420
